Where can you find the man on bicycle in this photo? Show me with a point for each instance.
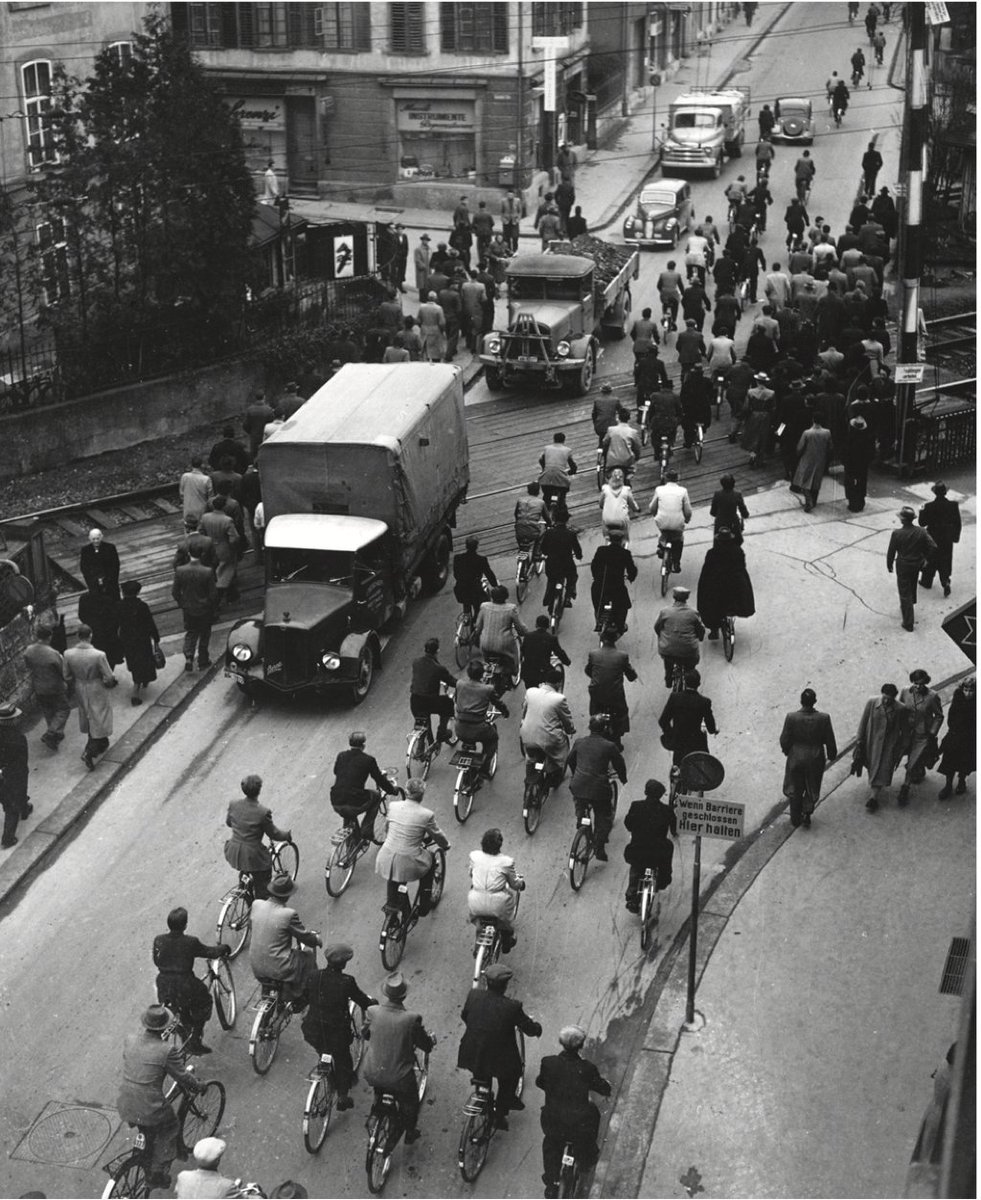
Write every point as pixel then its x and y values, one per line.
pixel 671 509
pixel 839 100
pixel 765 154
pixel 250 822
pixel 558 467
pixel 590 763
pixel 404 857
pixel 696 256
pixel 664 416
pixel 148 1062
pixel 349 797
pixel 537 650
pixel 649 823
pixel 858 66
pixel 735 193
pixel 612 566
pixel 605 409
pixel 568 1114
pixel 797 221
pixel 327 1022
pixel 547 725
pixel 489 1046
pixel 621 447
pixel 393 1035
pixel 607 668
pixel 561 548
pixel 679 629
pixel 272 955
pixel 472 699
pixel 178 987
pixel 670 289
pixel 470 569
pixel 649 375
pixel 804 172
pixel 425 694
pixel 530 518
pixel 696 403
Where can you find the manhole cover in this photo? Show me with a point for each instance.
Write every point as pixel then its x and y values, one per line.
pixel 68 1135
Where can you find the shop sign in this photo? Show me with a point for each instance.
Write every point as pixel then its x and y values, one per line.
pixel 423 116
pixel 344 256
pixel 259 112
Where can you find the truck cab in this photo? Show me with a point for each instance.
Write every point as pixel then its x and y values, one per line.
pixel 705 127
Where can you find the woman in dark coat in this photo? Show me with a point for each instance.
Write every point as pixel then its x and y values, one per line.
pixel 724 586
pixel 686 717
pixel 139 638
pixel 101 613
pixel 856 458
pixel 959 747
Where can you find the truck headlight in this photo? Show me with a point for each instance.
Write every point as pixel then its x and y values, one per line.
pixel 493 346
pixel 242 654
pixel 708 152
pixel 563 349
pixel 330 661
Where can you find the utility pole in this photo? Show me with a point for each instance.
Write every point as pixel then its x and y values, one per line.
pixel 519 165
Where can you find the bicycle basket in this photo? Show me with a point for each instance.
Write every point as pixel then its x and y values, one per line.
pixel 463 758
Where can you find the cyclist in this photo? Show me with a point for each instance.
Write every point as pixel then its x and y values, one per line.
pixel 558 467
pixel 537 650
pixel 177 985
pixel 804 172
pixel 879 46
pixel 147 1063
pixel 710 231
pixel 472 699
pixel 327 1022
pixel 683 718
pixel 590 762
pixel 494 887
pixel 568 1114
pixel 695 305
pixel 858 66
pixel 765 154
pixel 853 12
pixel 612 567
pixel 696 256
pixel 796 220
pixel 621 446
pixel 272 955
pixel 561 548
pixel 670 289
pixel 607 668
pixel 530 518
pixel 724 586
pixel 679 630
pixel 649 375
pixel 616 504
pixel 839 100
pixel 205 1179
pixel 425 697
pixel 489 1046
pixel 605 409
pixel 664 416
pixel 250 822
pixel 735 194
pixel 871 20
pixel 403 857
pixel 499 627
pixel 696 401
pixel 644 333
pixel 671 509
pixel 690 347
pixel 393 1035
pixel 547 725
pixel 650 823
pixel 352 769
pixel 728 507
pixel 470 569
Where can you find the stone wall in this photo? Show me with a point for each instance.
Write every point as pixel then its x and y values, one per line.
pixel 15 683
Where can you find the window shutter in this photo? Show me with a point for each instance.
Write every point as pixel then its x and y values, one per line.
pixel 447 27
pixel 361 38
pixel 500 27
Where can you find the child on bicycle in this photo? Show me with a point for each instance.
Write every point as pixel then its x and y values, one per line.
pixel 651 824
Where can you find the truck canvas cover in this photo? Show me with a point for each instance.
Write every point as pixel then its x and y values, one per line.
pixel 386 441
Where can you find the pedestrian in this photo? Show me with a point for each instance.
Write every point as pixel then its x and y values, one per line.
pixel 289 404
pixel 219 526
pixel 856 458
pixel 941 518
pixel 229 447
pixel 814 455
pixel 101 614
pixel 566 162
pixel 89 679
pixel 512 210
pixel 400 258
pixel 959 747
pixel 196 488
pixel 757 430
pixel 99 565
pixel 910 549
pixel 194 537
pixel 139 637
pixel 14 770
pixel 883 735
pixel 565 197
pixel 472 296
pixel 47 671
pixel 724 586
pixel 766 121
pixel 777 287
pixel 925 719
pixel 686 719
pixel 432 329
pixel 195 592
pixel 421 258
pixel 550 225
pixel 270 184
pixel 483 228
pixel 808 741
pixel 576 224
pixel 461 241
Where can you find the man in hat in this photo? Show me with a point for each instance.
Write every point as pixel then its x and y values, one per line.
pixel 568 1115
pixel 606 409
pixel 808 741
pixel 421 258
pixel 205 1182
pixel 99 565
pixel 289 404
pixel 272 955
pixel 327 1021
pixel 941 518
pixel 679 629
pixel 400 257
pixel 47 668
pixel 148 1062
pixel 926 715
pixel 910 549
pixel 174 955
pixel 650 823
pixel 394 1034
pixel 489 1047
pixel 13 775
pixel 89 678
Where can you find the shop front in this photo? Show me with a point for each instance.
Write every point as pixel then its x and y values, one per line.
pixel 283 130
pixel 437 136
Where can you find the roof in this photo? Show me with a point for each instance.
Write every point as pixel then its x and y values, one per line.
pixel 322 531
pixel 267 224
pixel 548 265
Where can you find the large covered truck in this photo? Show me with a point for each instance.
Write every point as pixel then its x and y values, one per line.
pixel 705 127
pixel 360 490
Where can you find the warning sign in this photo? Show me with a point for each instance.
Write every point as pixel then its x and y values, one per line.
pixel 710 818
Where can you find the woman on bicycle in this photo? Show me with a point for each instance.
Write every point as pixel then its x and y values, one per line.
pixel 250 822
pixel 499 627
pixel 616 504
pixel 494 887
pixel 530 518
pixel 724 586
pixel 403 857
pixel 651 825
pixel 174 954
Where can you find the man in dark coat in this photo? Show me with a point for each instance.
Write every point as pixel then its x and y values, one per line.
pixel 607 669
pixel 589 765
pixel 683 718
pixel 257 417
pixel 871 166
pixel 194 539
pixel 649 822
pixel 612 568
pixel 537 648
pixel 856 458
pixel 568 1115
pixel 174 954
pixel 941 518
pixel 228 447
pixel 13 775
pixel 909 550
pixel 808 741
pixel 352 769
pixel 195 592
pixel 489 1047
pixel 327 1021
pixel 99 564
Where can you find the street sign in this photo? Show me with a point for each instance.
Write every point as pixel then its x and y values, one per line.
pixel 908 373
pixel 701 772
pixel 703 817
pixel 936 12
pixel 961 627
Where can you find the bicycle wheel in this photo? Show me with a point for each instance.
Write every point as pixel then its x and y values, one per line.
pixel 357 1046
pixel 379 824
pixel 200 1114
pixel 645 909
pixel 461 641
pixel 521 1054
pixel 264 1039
pixel 222 988
pixel 729 638
pixel 340 868
pixel 318 1111
pixel 422 1075
pixel 439 876
pixel 378 1160
pixel 521 578
pixel 418 756
pixel 474 1142
pixel 392 941
pixel 569 1179
pixel 579 856
pixel 286 859
pixel 235 921
pixel 665 574
pixel 479 965
pixel 614 800
pixel 698 451
pixel 132 1179
pixel 534 799
pixel 463 794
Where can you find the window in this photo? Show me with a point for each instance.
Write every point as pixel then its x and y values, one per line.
pixel 203 24
pixel 407 33
pixel 36 81
pixel 122 52
pixel 555 19
pixel 52 251
pixel 343 26
pixel 468 28
pixel 271 26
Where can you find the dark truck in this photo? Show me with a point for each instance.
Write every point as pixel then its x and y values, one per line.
pixel 558 302
pixel 360 490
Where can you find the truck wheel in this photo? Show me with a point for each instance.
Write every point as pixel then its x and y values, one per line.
pixel 366 672
pixel 584 379
pixel 493 380
pixel 436 568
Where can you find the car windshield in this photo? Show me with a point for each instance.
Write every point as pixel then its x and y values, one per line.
pixel 310 566
pixel 694 119
pixel 792 108
pixel 658 199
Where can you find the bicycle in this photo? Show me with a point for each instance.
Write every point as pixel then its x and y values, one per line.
pixel 838 113
pixel 728 628
pixel 650 907
pixel 199 1115
pixel 668 326
pixel 803 188
pixel 488 944
pixel 664 457
pixel 319 1107
pixel 272 1016
pixel 218 979
pixel 470 764
pixel 400 921
pixel 235 914
pixel 350 842
pixel 678 672
pixel 421 749
pixel 480 1126
pixel 536 792
pixel 665 552
pixel 528 562
pixel 557 607
pixel 499 673
pixel 583 844
pixel 605 622
pixel 385 1129
pixel 643 415
pixel 571 1173
pixel 465 635
pixel 699 443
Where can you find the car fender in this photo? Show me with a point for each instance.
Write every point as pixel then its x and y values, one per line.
pixel 580 347
pixel 247 632
pixel 353 643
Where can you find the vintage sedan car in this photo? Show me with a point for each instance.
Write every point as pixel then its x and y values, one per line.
pixel 793 120
pixel 664 214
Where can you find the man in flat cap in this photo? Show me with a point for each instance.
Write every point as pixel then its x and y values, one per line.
pixel 679 629
pixel 327 1022
pixel 941 518
pixel 909 550
pixel 206 1182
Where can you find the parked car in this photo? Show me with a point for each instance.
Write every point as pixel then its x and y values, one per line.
pixel 664 214
pixel 793 120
